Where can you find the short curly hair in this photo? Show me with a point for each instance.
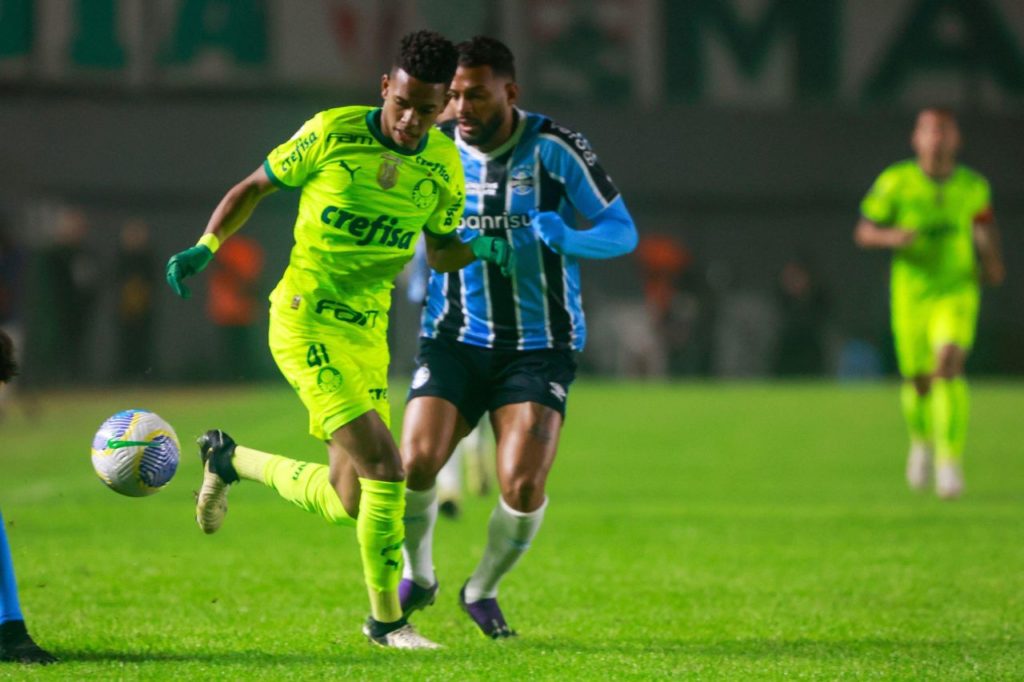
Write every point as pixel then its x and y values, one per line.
pixel 487 51
pixel 8 366
pixel 428 56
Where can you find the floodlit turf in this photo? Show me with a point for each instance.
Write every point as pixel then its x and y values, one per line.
pixel 695 532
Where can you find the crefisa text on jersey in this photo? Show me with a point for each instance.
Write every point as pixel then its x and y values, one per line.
pixel 301 145
pixel 436 167
pixel 383 228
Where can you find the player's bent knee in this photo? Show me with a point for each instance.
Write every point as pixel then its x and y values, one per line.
pixel 385 471
pixel 382 462
pixel 951 362
pixel 422 458
pixel 420 472
pixel 524 493
pixel 923 384
pixel 416 451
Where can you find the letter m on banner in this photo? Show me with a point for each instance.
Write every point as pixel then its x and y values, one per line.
pixel 811 27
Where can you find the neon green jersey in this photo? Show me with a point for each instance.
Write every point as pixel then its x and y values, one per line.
pixel 365 201
pixel 943 213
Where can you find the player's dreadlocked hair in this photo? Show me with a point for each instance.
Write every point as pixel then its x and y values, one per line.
pixel 8 367
pixel 428 56
pixel 485 51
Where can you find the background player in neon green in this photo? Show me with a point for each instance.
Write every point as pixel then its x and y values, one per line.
pixel 371 179
pixel 936 216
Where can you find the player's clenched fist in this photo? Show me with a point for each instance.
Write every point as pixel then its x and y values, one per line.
pixel 185 264
pixel 497 251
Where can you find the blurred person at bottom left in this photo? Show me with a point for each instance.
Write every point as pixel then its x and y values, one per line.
pixel 15 643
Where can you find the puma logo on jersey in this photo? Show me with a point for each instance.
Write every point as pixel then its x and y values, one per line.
pixel 383 229
pixel 350 169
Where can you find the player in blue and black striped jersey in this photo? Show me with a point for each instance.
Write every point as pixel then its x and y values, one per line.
pixel 504 345
pixel 15 642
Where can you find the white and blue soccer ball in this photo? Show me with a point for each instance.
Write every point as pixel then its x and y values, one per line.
pixel 135 453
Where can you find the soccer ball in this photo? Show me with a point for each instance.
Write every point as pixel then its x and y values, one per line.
pixel 135 452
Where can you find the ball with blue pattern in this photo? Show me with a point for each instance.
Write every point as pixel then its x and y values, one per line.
pixel 135 453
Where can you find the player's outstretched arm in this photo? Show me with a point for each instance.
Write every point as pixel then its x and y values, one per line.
pixel 869 235
pixel 990 252
pixel 449 253
pixel 231 213
pixel 613 233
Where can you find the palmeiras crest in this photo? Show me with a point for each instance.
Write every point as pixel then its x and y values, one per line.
pixel 424 192
pixel 387 172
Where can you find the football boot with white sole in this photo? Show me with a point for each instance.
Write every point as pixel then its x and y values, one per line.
pixel 216 449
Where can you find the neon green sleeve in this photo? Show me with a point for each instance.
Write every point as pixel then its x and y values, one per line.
pixel 289 165
pixel 880 204
pixel 448 213
pixel 984 209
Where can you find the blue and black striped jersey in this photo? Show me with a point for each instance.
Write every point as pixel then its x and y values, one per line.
pixel 542 166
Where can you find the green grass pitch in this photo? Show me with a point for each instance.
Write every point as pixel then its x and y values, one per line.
pixel 699 531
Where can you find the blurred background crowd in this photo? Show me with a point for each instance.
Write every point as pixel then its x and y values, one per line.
pixel 742 133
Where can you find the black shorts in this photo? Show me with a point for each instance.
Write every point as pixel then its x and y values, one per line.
pixel 478 380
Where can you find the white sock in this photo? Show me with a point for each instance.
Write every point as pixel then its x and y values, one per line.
pixel 418 549
pixel 509 534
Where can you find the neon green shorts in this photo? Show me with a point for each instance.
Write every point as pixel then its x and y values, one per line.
pixel 921 325
pixel 340 373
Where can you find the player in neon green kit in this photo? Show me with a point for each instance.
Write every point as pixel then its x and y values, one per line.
pixel 372 179
pixel 935 215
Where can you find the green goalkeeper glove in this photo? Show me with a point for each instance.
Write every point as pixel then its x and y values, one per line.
pixel 189 262
pixel 497 251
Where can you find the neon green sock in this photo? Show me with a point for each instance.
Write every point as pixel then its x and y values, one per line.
pixel 305 484
pixel 951 411
pixel 381 533
pixel 916 412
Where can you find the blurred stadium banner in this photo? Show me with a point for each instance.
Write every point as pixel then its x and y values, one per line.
pixel 748 130
pixel 744 53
